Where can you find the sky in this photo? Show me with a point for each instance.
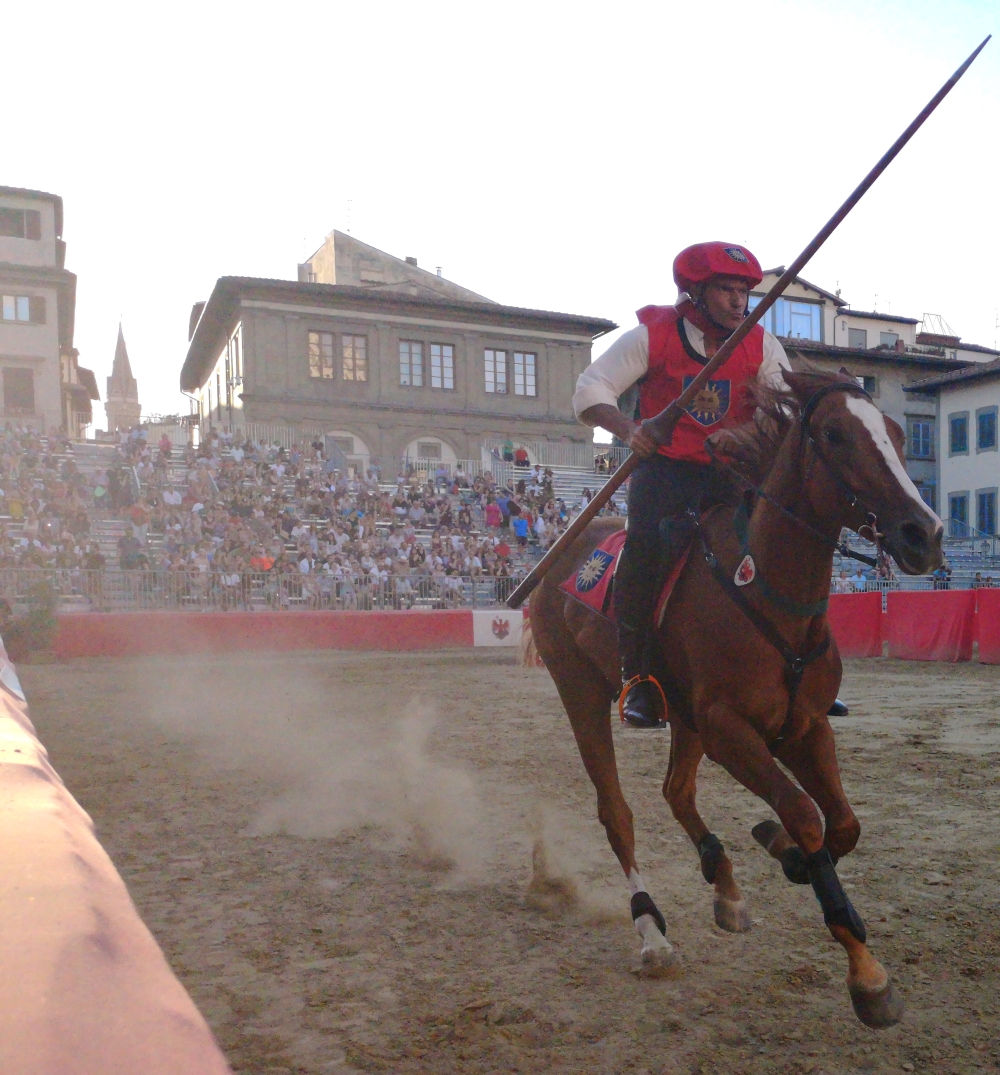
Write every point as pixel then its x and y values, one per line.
pixel 549 155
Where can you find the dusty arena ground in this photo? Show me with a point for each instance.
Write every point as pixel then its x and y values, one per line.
pixel 335 852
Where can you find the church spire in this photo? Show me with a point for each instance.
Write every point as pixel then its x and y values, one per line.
pixel 122 406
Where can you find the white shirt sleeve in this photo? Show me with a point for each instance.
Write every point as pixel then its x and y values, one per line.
pixel 607 377
pixel 627 359
pixel 775 360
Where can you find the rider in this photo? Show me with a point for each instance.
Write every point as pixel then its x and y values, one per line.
pixel 661 356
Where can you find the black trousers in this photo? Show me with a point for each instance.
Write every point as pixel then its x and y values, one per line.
pixel 660 488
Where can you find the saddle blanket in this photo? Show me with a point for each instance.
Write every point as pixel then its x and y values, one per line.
pixel 593 584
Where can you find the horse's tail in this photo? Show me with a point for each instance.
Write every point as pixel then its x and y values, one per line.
pixel 530 656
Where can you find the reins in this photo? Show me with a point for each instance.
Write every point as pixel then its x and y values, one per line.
pixel 795 663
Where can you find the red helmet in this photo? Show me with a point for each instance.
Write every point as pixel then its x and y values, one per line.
pixel 702 261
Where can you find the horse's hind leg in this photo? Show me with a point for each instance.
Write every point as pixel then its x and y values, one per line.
pixel 587 699
pixel 680 789
pixel 733 743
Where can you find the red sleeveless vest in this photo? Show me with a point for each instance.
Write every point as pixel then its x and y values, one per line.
pixel 674 363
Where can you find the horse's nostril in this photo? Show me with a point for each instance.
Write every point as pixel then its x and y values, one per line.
pixel 913 536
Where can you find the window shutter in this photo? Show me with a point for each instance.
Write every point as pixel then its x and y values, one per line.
pixel 37 305
pixel 32 224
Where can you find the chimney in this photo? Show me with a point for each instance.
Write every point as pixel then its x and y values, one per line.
pixel 901 346
pixel 439 270
pixel 411 261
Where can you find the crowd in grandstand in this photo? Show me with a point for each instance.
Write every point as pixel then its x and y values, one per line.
pixel 230 509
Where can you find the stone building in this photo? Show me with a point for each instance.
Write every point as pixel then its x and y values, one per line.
pixel 44 387
pixel 387 360
pixel 122 407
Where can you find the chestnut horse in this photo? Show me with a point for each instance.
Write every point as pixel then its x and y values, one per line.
pixel 751 671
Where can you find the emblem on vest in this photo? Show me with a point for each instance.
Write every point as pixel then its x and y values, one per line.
pixel 711 403
pixel 593 570
pixel 746 572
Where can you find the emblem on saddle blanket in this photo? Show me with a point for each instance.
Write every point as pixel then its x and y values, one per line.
pixel 711 404
pixel 593 570
pixel 746 572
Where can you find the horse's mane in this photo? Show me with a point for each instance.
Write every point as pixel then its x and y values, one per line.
pixel 752 448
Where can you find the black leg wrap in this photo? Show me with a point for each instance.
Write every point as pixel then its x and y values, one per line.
pixel 643 904
pixel 711 852
pixel 793 862
pixel 837 909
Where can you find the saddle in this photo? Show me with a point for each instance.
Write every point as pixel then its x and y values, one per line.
pixel 593 584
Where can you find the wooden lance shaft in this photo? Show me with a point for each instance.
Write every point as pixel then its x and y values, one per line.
pixel 662 426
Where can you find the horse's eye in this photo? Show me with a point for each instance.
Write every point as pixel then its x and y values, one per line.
pixel 833 436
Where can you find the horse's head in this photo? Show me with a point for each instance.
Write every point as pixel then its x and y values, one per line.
pixel 861 455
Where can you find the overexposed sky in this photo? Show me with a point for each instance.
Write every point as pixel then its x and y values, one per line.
pixel 552 155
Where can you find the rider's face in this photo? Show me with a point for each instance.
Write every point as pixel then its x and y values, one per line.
pixel 725 299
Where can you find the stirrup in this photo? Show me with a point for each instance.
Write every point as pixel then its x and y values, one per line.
pixel 626 687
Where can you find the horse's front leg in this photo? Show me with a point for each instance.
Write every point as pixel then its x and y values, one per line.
pixel 586 698
pixel 679 789
pixel 729 740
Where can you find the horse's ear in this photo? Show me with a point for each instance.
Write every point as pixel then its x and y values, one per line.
pixel 800 384
pixel 845 372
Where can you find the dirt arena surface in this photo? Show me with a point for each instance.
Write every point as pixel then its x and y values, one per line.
pixel 335 852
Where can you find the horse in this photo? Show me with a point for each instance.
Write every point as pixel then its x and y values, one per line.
pixel 749 668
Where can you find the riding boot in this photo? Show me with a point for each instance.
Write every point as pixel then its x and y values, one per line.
pixel 642 706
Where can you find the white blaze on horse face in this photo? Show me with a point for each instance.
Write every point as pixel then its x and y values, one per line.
pixel 872 419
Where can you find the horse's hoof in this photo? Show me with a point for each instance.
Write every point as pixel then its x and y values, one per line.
pixel 731 915
pixel 657 958
pixel 878 1010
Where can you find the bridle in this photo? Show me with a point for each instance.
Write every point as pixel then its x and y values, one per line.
pixel 880 559
pixel 795 662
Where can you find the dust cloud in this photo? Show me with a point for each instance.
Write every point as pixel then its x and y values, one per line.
pixel 330 768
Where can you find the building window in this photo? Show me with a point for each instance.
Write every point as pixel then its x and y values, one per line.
pixel 857 338
pixel 797 320
pixel 20 223
pixel 888 339
pixel 355 358
pixel 411 363
pixel 524 374
pixel 19 391
pixel 428 449
pixel 958 433
pixel 28 308
pixel 321 355
pixel 986 430
pixel 869 384
pixel 958 515
pixel 921 438
pixel 496 372
pixel 928 493
pixel 442 365
pixel 986 511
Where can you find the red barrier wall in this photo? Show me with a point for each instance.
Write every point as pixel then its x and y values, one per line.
pixel 931 625
pixel 143 634
pixel 856 622
pixel 989 626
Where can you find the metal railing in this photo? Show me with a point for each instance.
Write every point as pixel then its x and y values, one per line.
pixel 193 590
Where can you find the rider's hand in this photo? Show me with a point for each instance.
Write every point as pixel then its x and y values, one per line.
pixel 641 442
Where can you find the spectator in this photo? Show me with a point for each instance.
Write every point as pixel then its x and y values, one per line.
pixel 858 580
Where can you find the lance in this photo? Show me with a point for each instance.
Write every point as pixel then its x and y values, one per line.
pixel 662 426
